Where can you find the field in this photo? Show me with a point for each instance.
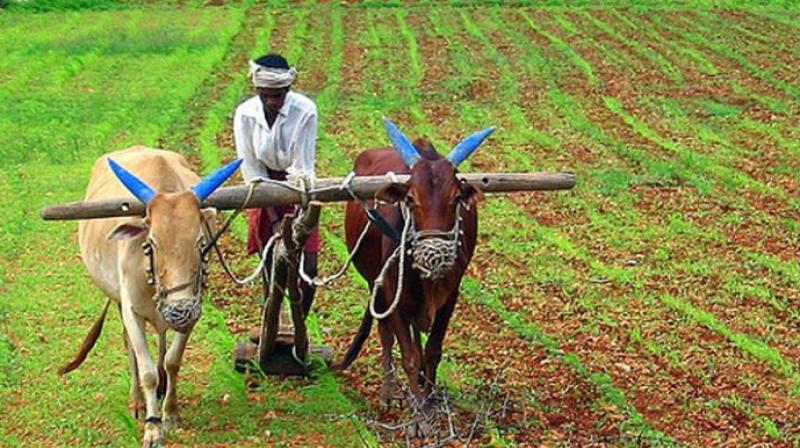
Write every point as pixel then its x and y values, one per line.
pixel 656 304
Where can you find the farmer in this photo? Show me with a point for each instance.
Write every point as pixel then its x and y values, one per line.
pixel 276 134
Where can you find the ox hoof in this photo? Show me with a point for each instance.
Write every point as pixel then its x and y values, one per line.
pixel 153 435
pixel 415 431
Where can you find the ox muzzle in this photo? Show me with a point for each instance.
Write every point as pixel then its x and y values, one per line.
pixel 434 252
pixel 180 313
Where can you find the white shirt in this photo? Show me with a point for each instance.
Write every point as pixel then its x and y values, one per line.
pixel 290 145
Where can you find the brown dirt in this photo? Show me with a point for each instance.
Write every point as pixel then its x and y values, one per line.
pixel 568 225
pixel 546 377
pixel 672 394
pixel 774 53
pixel 730 67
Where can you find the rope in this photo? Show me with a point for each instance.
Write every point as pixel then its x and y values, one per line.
pixel 237 212
pixel 262 256
pixel 401 250
pixel 305 364
pixel 305 193
pixel 254 275
pixel 434 252
pixel 346 185
pixel 325 281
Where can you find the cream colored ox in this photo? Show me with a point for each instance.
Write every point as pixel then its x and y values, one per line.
pixel 152 267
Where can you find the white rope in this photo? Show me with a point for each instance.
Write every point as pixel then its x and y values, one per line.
pixel 317 281
pixel 346 185
pixel 250 278
pixel 401 249
pixel 434 252
pixel 305 363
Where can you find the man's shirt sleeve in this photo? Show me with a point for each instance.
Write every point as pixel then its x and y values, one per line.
pixel 242 135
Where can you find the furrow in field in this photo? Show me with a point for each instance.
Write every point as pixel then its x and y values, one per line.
pixel 696 33
pixel 515 58
pixel 699 182
pixel 462 374
pixel 774 54
pixel 652 58
pixel 760 220
pixel 635 423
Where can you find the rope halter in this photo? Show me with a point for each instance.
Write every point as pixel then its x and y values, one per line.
pixel 434 252
pixel 184 313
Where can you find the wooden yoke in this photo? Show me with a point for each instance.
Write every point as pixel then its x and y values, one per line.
pixel 270 194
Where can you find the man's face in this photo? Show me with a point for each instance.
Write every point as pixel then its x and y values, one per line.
pixel 272 98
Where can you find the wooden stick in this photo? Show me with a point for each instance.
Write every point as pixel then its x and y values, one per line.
pixel 272 194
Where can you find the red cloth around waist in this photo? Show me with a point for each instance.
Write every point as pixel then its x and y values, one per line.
pixel 260 221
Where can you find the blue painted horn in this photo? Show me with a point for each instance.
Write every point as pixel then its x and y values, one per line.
pixel 401 143
pixel 141 190
pixel 208 184
pixel 467 146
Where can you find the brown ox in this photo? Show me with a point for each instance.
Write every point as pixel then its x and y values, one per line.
pixel 437 201
pixel 152 267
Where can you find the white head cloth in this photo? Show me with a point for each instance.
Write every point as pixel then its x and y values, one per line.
pixel 274 78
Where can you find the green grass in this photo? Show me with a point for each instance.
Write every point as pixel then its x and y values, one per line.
pixel 70 98
pixel 89 396
pixel 661 184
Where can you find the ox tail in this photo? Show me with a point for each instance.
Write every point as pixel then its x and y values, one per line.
pixel 88 343
pixel 358 342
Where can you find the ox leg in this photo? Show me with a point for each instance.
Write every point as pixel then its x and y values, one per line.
pixel 412 358
pixel 433 348
pixel 173 365
pixel 389 387
pixel 148 375
pixel 162 374
pixel 135 397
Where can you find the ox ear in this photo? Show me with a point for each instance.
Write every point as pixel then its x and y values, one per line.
pixel 401 143
pixel 209 214
pixel 466 147
pixel 127 230
pixel 471 195
pixel 208 184
pixel 392 193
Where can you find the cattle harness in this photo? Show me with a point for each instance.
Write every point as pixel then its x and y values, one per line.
pixel 433 252
pixel 198 283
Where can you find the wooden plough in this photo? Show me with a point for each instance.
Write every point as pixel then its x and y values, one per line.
pixel 279 349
